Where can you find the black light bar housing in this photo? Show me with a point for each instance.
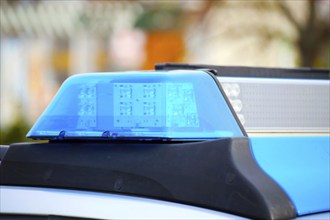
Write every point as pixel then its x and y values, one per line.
pixel 259 72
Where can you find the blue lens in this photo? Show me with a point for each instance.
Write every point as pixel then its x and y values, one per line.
pixel 161 104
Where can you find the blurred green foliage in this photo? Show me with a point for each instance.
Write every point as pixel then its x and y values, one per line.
pixel 16 132
pixel 160 18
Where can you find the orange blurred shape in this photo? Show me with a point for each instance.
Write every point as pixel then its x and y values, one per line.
pixel 163 46
pixel 101 60
pixel 61 61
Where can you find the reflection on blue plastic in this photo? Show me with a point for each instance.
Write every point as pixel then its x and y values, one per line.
pixel 173 104
pixel 301 166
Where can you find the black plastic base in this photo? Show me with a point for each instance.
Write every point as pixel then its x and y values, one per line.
pixel 220 174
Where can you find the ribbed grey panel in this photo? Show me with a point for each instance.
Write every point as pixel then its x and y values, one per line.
pixel 280 105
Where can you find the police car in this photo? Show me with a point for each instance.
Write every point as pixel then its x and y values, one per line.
pixel 164 144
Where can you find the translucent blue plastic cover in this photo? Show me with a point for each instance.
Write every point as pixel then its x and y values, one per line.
pixel 142 105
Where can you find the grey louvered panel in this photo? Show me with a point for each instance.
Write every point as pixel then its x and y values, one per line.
pixel 280 105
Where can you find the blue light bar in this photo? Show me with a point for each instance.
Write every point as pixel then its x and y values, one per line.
pixel 173 104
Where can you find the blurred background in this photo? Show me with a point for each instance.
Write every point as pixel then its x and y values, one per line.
pixel 45 41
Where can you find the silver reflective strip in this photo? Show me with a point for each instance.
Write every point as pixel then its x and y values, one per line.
pixel 85 204
pixel 319 216
pixel 280 105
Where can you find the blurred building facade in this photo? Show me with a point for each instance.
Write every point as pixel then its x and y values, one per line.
pixel 43 42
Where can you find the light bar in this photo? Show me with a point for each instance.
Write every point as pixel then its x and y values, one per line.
pixel 143 105
pixel 280 105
